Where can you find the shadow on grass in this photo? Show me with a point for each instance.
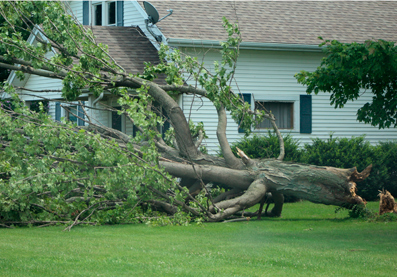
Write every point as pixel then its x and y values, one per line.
pixel 304 219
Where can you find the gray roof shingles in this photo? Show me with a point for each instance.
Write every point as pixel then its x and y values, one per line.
pixel 290 22
pixel 127 45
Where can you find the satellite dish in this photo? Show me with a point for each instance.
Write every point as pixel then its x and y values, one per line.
pixel 153 18
pixel 151 12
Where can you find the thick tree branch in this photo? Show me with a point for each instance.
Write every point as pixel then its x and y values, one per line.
pixel 199 139
pixel 230 159
pixel 178 120
pixel 228 194
pixel 31 70
pixel 280 139
pixel 253 195
pixel 231 177
pixel 184 89
pixel 37 91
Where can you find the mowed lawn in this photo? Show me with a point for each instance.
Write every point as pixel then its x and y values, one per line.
pixel 309 240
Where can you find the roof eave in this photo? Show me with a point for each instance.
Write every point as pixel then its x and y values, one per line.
pixel 178 42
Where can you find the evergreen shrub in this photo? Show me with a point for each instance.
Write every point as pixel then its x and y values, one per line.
pixel 356 152
pixel 267 146
pixel 385 165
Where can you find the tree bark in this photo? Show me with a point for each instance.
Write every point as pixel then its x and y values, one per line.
pixel 326 185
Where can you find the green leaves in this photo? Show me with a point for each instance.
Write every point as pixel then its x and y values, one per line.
pixel 61 45
pixel 49 173
pixel 349 69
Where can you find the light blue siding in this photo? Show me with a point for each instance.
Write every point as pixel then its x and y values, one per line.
pixel 266 74
pixel 269 75
pixel 77 9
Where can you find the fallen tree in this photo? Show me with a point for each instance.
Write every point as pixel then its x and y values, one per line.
pixel 55 172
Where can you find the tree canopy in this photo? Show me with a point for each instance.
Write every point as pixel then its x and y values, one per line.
pixel 350 69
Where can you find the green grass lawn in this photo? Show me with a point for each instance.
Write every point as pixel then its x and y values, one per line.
pixel 309 240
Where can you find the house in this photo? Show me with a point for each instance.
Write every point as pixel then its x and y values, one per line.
pixel 128 46
pixel 280 38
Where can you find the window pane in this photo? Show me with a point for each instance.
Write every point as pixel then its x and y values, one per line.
pixel 98 15
pixel 112 13
pixel 72 110
pixel 282 111
pixel 116 119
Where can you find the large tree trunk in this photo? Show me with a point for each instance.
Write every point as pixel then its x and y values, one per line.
pixel 326 185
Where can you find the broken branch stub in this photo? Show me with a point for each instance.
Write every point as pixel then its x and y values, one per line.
pixel 387 203
pixel 243 156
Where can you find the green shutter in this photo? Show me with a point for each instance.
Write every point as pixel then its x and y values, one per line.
pixel 306 114
pixel 120 13
pixel 80 113
pixel 247 98
pixel 86 12
pixel 58 111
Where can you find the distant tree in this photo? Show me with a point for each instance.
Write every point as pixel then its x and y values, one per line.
pixel 349 69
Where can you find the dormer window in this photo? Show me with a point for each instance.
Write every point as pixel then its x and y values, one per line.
pixel 97 14
pixel 104 13
pixel 111 7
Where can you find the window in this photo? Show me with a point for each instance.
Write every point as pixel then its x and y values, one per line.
pixel 104 13
pixel 71 112
pixel 97 14
pixel 111 13
pixel 293 112
pixel 282 111
pixel 117 121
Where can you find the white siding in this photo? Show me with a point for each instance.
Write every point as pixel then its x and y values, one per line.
pixel 51 110
pixel 98 117
pixel 270 74
pixel 103 117
pixel 77 10
pixel 133 15
pixel 35 82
